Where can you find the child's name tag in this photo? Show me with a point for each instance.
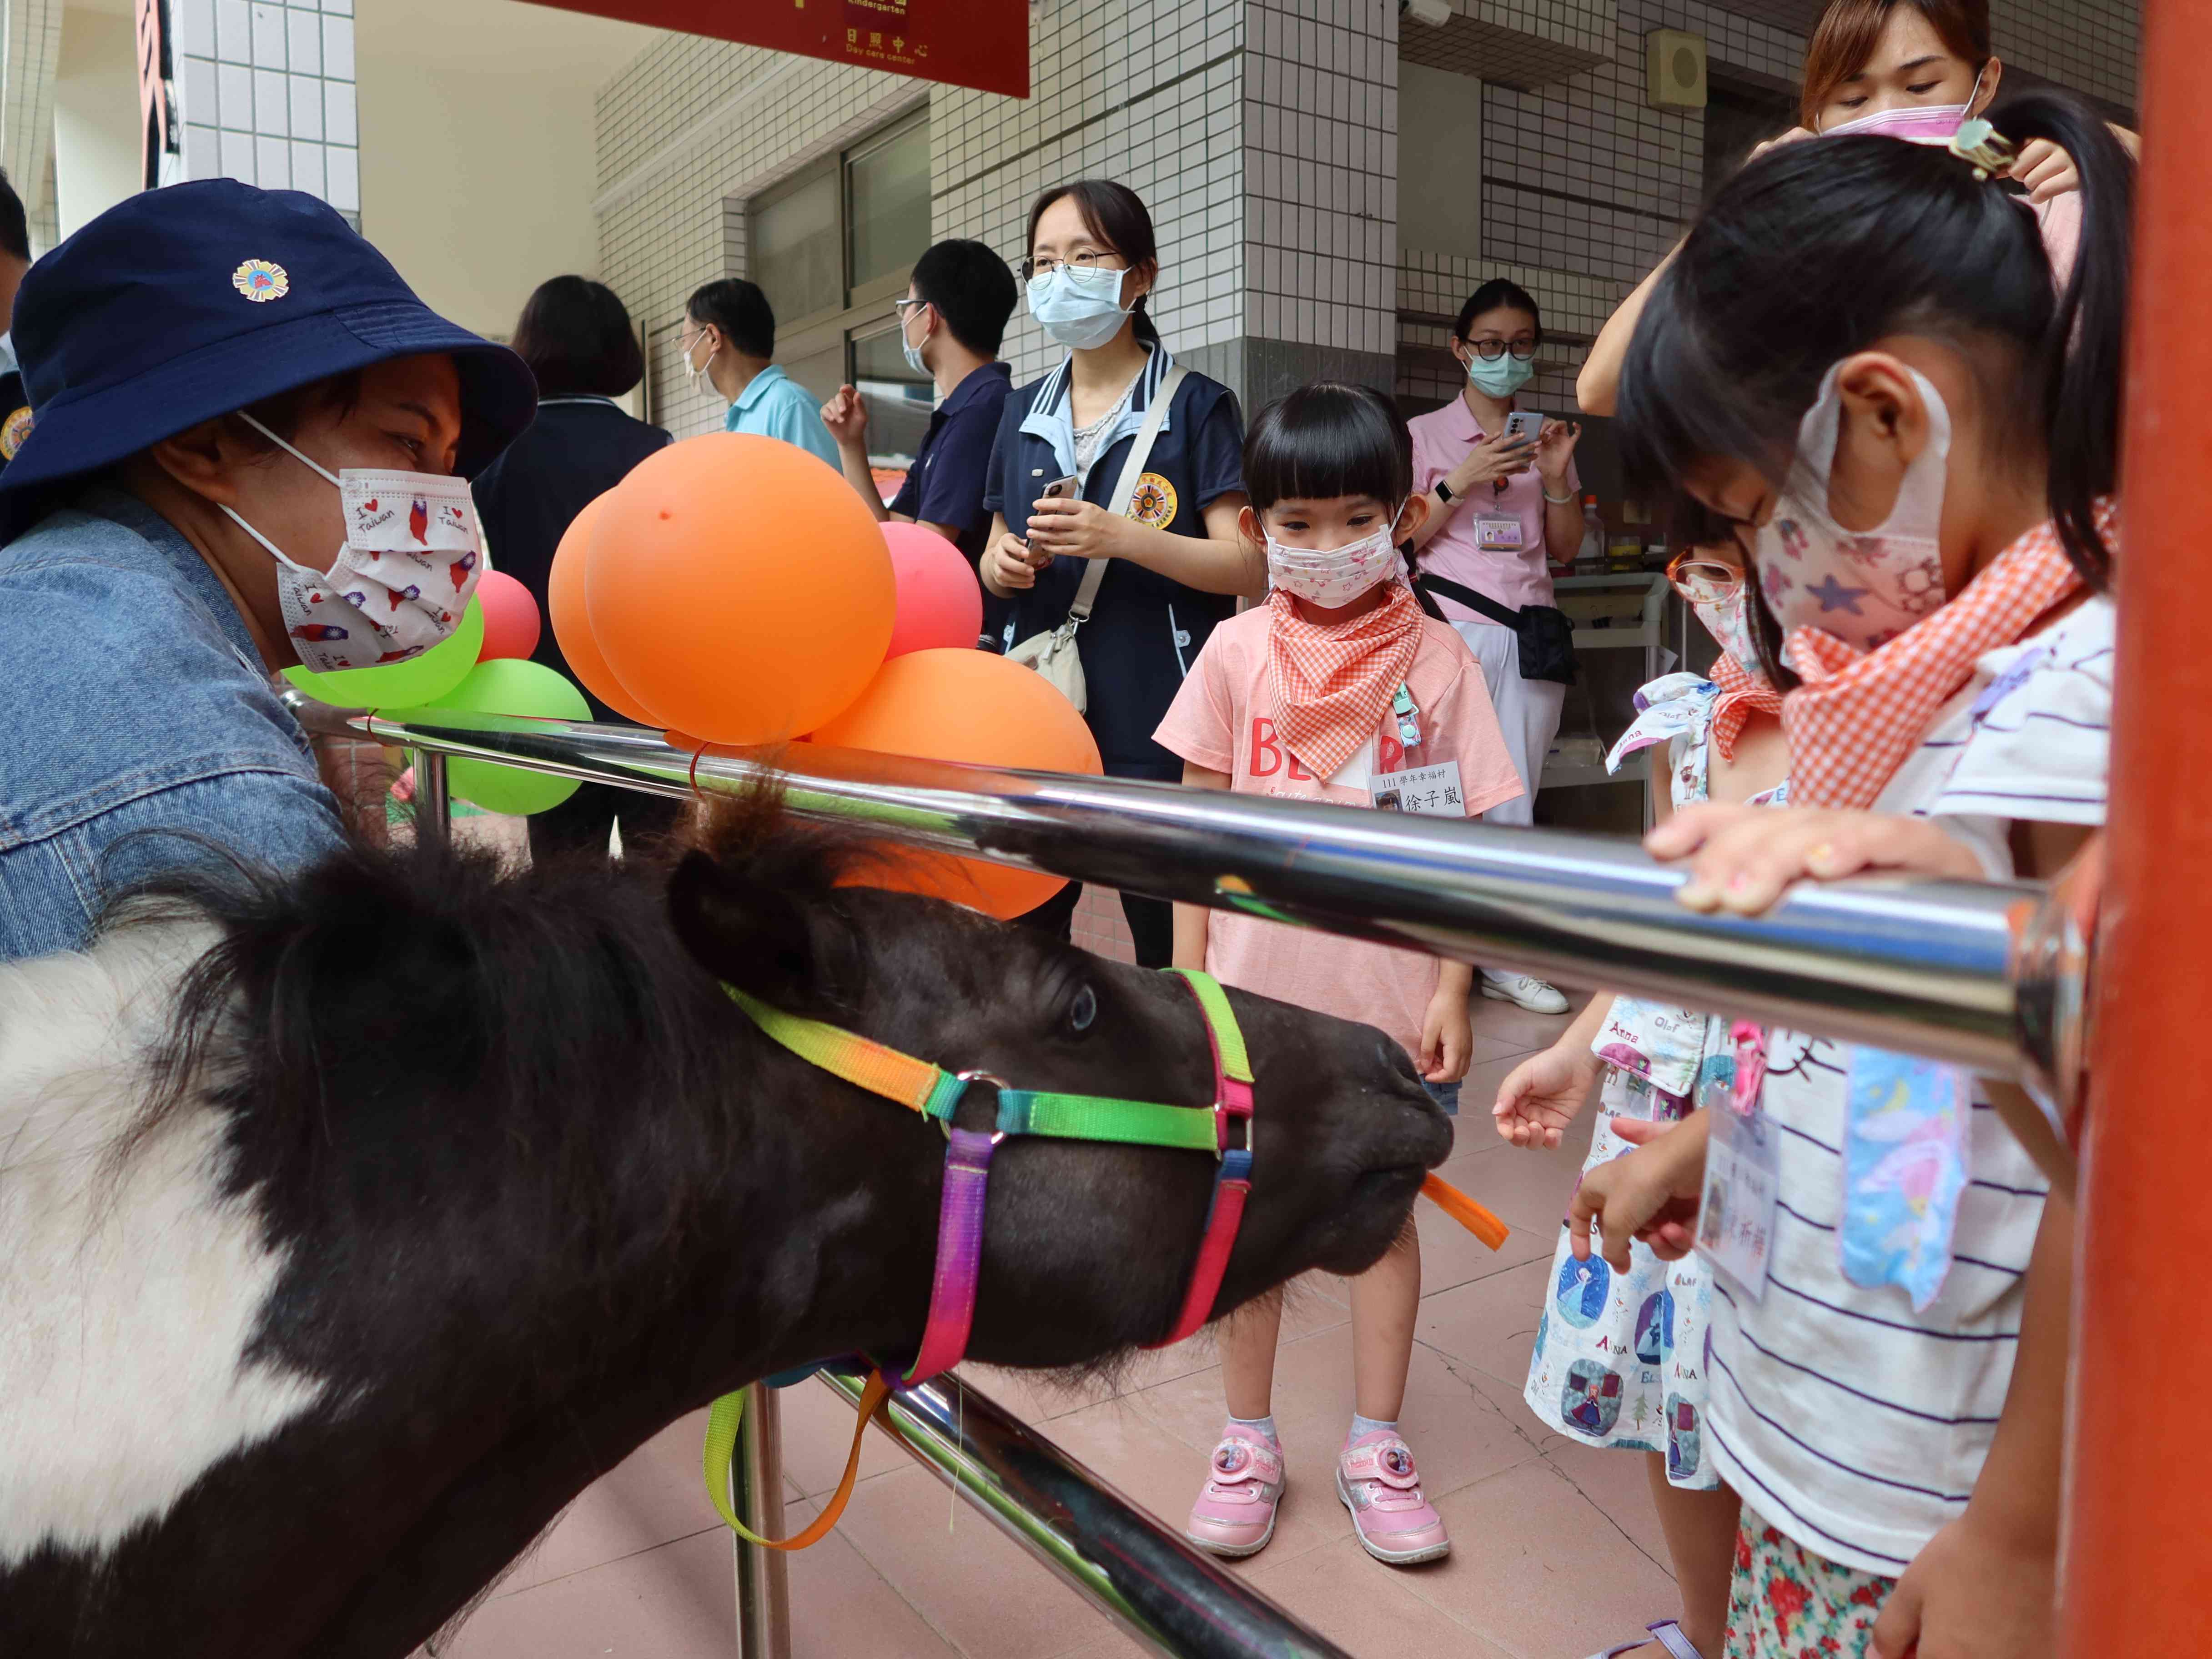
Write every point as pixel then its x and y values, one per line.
pixel 1735 1212
pixel 1743 1165
pixel 1499 535
pixel 1430 791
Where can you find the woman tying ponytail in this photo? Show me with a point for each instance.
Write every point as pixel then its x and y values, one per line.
pixel 1900 69
pixel 1928 545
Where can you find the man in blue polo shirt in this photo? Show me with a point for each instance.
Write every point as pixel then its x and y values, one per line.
pixel 729 336
pixel 951 323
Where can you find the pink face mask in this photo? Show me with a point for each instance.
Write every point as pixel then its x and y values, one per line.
pixel 1917 124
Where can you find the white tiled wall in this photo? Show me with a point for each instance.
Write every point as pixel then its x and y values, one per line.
pixel 30 57
pixel 265 94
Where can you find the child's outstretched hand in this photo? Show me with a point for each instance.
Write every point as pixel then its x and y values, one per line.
pixel 1743 858
pixel 1541 1095
pixel 1650 1194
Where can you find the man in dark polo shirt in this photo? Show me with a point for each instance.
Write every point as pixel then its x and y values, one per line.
pixel 14 260
pixel 951 324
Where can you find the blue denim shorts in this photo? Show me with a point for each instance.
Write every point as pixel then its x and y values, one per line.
pixel 1446 1094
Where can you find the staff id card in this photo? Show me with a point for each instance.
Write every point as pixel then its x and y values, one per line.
pixel 1498 535
pixel 1430 791
pixel 1743 1174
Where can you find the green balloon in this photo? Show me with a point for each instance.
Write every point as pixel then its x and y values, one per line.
pixel 512 685
pixel 407 684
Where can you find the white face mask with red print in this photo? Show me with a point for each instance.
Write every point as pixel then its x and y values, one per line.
pixel 1333 577
pixel 408 566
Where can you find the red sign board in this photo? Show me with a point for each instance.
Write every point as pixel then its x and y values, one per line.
pixel 984 44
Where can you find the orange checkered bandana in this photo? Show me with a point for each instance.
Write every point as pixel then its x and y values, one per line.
pixel 1744 692
pixel 1333 684
pixel 1860 713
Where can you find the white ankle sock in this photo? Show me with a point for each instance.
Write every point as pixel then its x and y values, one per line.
pixel 1361 1425
pixel 1260 1425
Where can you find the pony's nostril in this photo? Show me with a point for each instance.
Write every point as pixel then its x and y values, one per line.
pixel 1395 1059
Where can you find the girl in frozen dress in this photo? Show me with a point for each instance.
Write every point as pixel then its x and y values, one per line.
pixel 1619 1360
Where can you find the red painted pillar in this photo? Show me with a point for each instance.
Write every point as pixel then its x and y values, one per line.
pixel 2134 1578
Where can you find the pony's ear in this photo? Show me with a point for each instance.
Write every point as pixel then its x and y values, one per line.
pixel 744 932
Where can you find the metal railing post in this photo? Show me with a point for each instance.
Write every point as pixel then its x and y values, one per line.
pixel 1164 1591
pixel 764 1577
pixel 434 807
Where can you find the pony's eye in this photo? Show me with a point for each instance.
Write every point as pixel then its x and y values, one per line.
pixel 1083 1009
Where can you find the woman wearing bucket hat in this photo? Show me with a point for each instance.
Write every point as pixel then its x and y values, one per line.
pixel 248 450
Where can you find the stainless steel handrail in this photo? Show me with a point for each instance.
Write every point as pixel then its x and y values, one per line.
pixel 1927 967
pixel 1165 1592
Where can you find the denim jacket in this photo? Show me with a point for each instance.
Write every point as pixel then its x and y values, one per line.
pixel 132 703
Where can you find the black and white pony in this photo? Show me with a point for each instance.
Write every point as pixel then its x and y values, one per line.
pixel 351 1225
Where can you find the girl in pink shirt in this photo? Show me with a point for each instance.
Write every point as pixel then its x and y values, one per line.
pixel 1338 689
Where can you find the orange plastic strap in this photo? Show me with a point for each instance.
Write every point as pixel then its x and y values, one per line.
pixel 721 1442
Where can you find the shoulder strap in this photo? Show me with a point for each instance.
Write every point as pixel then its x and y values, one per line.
pixel 1124 486
pixel 1426 585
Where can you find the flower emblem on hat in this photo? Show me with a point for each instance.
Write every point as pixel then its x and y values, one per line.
pixel 261 281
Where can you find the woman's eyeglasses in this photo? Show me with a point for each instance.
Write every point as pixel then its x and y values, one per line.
pixel 1035 266
pixel 1703 579
pixel 1491 350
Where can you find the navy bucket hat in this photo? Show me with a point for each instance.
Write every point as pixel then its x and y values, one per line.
pixel 182 304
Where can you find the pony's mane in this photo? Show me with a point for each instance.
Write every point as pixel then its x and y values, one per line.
pixel 315 967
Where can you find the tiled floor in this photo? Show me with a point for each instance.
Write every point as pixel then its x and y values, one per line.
pixel 1556 1552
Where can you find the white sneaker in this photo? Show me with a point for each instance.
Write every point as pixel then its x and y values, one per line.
pixel 1525 989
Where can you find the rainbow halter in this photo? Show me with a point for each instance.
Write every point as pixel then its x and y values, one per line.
pixel 936 1093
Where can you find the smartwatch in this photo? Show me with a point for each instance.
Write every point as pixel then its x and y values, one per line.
pixel 1444 492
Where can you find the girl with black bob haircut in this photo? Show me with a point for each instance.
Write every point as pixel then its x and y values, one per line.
pixel 1338 689
pixel 1327 440
pixel 1859 367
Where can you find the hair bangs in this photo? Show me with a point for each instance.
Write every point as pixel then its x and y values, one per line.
pixel 1327 441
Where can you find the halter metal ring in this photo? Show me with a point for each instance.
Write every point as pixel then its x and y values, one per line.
pixel 945 1124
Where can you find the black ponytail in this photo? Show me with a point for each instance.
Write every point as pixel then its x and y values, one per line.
pixel 2084 351
pixel 1820 248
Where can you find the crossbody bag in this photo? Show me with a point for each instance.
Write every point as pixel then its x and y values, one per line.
pixel 1053 654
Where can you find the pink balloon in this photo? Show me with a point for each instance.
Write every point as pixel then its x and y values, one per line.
pixel 939 601
pixel 510 616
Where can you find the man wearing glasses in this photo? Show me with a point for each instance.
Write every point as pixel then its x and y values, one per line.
pixel 951 324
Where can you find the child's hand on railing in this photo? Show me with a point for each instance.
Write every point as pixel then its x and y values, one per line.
pixel 1744 858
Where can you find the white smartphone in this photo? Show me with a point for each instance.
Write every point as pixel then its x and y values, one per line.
pixel 1061 489
pixel 1524 423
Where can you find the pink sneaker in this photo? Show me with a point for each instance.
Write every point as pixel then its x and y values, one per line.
pixel 1235 1515
pixel 1378 1483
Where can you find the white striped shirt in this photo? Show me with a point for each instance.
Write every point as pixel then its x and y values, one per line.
pixel 1854 1424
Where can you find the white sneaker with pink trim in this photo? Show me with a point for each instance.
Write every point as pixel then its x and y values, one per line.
pixel 1378 1483
pixel 1235 1515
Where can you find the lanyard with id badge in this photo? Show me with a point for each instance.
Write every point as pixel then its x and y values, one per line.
pixel 1736 1208
pixel 1429 791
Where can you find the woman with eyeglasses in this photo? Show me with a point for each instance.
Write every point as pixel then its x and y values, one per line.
pixel 1141 557
pixel 1503 508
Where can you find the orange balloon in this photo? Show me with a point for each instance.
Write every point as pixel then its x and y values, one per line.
pixel 572 622
pixel 739 589
pixel 954 705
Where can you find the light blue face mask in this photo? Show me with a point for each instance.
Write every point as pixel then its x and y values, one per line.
pixel 912 351
pixel 1500 377
pixel 1080 308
